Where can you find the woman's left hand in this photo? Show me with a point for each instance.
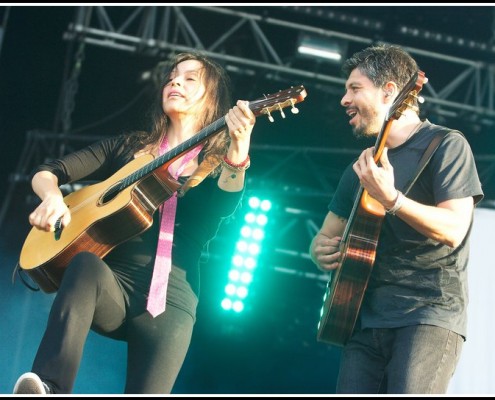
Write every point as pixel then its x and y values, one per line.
pixel 240 121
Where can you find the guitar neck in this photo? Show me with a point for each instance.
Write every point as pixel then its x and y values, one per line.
pixel 260 106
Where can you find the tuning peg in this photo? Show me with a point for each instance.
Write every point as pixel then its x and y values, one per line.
pixel 421 99
pixel 294 109
pixel 281 111
pixel 270 118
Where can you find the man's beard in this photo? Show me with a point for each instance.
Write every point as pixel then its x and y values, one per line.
pixel 371 129
pixel 361 132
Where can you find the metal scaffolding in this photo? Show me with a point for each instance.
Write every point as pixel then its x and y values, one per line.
pixel 161 30
pixel 468 91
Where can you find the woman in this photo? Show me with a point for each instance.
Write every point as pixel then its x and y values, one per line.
pixel 110 295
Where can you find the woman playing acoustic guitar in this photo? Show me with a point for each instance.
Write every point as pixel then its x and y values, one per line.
pixel 116 295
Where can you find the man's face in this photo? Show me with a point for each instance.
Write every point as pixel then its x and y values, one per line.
pixel 364 104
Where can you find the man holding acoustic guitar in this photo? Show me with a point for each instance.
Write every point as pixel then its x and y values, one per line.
pixel 395 240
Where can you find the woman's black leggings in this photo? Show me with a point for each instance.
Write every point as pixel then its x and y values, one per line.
pixel 90 297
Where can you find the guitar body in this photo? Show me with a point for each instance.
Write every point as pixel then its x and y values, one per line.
pixel 346 287
pixel 98 224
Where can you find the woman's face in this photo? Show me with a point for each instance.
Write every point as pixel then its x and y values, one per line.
pixel 184 89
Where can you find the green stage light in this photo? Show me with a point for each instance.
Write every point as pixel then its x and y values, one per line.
pixel 246 252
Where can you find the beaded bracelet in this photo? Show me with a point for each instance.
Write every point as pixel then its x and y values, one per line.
pixel 236 167
pixel 399 200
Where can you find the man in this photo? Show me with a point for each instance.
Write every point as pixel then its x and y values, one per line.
pixel 412 320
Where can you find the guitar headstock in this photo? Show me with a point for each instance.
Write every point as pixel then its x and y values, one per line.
pixel 278 101
pixel 405 99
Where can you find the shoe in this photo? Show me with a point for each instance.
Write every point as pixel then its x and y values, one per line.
pixel 30 383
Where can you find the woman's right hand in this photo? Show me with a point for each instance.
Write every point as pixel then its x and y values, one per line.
pixel 45 216
pixel 52 207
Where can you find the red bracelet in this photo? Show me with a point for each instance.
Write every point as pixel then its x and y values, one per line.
pixel 234 165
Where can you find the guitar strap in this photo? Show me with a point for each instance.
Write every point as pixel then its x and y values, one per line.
pixel 435 142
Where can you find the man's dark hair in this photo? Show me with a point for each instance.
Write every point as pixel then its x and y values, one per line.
pixel 381 64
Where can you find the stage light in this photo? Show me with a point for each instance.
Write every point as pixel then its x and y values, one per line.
pixel 247 251
pixel 322 48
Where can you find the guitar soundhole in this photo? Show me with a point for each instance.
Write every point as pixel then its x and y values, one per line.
pixel 108 196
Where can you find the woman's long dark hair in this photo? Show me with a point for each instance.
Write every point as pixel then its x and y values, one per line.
pixel 216 104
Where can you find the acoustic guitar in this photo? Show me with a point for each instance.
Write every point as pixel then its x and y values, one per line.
pixel 347 284
pixel 110 212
